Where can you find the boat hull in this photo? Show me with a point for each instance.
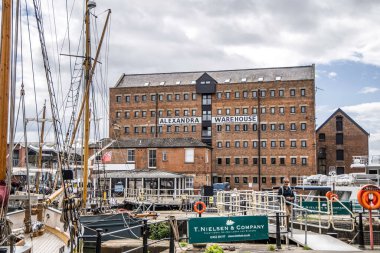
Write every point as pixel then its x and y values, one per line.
pixel 110 223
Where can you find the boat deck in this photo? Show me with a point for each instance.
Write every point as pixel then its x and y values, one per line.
pixel 47 242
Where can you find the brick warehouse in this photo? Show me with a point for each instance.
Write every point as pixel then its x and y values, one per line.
pixel 259 122
pixel 340 138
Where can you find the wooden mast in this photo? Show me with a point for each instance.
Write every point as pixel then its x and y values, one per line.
pixel 86 122
pixel 5 54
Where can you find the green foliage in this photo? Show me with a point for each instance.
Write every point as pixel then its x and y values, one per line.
pixel 271 247
pixel 306 247
pixel 215 248
pixel 183 244
pixel 159 231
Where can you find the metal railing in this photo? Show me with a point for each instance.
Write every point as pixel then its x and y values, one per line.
pixel 320 213
pixel 145 238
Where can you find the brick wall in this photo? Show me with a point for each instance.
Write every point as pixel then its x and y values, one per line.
pixel 220 172
pixel 355 143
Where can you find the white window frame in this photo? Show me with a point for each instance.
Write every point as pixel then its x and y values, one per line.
pixel 189 155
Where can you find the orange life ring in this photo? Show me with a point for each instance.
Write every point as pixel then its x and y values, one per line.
pixel 359 197
pixel 196 207
pixel 334 197
pixel 328 194
pixel 367 203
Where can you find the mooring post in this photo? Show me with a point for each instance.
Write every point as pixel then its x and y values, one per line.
pixel 145 236
pixel 171 240
pixel 305 228
pixel 361 232
pixel 98 240
pixel 278 234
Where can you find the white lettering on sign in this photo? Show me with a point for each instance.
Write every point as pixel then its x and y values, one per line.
pixel 179 121
pixel 234 119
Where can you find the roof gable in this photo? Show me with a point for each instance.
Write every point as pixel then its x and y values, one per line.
pixel 346 116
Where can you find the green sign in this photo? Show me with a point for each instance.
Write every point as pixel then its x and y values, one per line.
pixel 337 207
pixel 228 229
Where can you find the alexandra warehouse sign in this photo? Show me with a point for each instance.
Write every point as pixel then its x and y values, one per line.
pixel 228 229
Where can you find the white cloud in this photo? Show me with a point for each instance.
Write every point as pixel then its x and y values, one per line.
pixel 167 36
pixel 332 75
pixel 366 90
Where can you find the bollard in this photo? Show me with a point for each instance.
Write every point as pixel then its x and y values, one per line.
pixel 278 235
pixel 305 228
pixel 361 232
pixel 145 236
pixel 98 240
pixel 12 239
pixel 171 241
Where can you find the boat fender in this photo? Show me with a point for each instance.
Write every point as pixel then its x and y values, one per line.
pixel 202 204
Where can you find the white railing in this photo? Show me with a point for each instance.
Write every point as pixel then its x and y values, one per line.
pixel 319 213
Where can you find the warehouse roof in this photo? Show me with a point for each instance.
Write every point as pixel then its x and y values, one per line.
pixel 221 76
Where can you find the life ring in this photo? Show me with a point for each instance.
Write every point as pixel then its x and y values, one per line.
pixel 334 197
pixel 359 197
pixel 367 203
pixel 196 207
pixel 331 196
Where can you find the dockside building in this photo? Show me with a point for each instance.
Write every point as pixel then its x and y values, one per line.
pixel 260 123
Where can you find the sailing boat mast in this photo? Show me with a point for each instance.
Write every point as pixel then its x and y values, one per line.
pixel 86 122
pixel 5 54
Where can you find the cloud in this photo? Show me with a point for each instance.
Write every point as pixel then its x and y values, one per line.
pixel 366 90
pixel 168 36
pixel 332 75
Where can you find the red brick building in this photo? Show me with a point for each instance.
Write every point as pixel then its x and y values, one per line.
pixel 340 138
pixel 259 122
pixel 188 157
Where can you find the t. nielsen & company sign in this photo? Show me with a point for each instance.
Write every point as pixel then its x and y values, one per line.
pixel 228 229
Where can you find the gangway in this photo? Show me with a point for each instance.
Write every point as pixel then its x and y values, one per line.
pixel 322 242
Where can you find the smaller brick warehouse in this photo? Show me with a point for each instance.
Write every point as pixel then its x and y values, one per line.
pixel 340 138
pixel 185 156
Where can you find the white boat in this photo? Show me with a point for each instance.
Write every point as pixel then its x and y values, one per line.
pixel 346 186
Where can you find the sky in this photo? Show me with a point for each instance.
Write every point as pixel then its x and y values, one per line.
pixel 340 37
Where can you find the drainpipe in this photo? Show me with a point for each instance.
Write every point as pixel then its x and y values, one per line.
pixel 259 137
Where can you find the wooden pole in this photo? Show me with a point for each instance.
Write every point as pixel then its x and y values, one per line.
pixel 5 55
pixel 86 122
pixel 88 76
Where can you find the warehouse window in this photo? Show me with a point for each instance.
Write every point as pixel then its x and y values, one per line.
pixel 189 155
pixel 340 155
pixel 152 158
pixel 131 155
pixel 339 139
pixel 206 99
pixel 339 123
